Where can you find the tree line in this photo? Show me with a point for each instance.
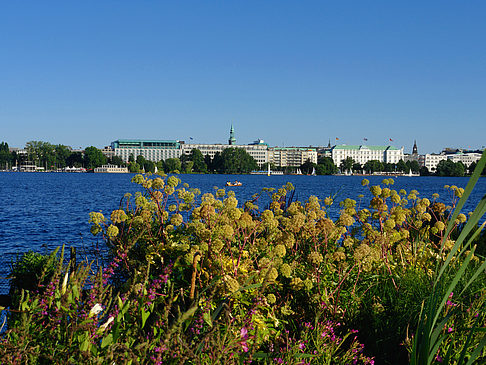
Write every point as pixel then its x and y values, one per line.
pixel 230 161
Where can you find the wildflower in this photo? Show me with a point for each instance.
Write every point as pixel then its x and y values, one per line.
pixel 328 201
pixel 285 270
pixel 376 190
pixel 440 226
pixel 315 258
pixel 118 216
pixel 462 218
pixel 176 219
pixel 97 308
pixel 365 182
pixel 112 231
pixel 231 284
pixel 280 250
pixel 173 181
pixel 271 299
pixel 64 283
pixel 106 324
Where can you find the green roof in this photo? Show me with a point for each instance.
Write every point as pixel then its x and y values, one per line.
pixel 362 147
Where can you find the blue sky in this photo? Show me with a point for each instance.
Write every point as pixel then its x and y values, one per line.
pixel 294 73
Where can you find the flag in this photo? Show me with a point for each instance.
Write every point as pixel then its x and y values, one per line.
pixel 191 138
pixel 337 139
pixel 365 139
pixel 391 140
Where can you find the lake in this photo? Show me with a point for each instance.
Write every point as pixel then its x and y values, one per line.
pixel 42 211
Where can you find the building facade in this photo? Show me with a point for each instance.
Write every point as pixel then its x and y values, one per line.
pixel 362 154
pixel 291 156
pixel 152 150
pixel 258 151
pixel 431 160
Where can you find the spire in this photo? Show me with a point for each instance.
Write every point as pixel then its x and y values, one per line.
pixel 329 144
pixel 232 139
pixel 414 149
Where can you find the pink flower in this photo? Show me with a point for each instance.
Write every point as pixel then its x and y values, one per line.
pixel 244 333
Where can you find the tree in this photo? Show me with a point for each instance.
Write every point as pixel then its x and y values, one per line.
pixel 134 167
pixel 402 166
pixel 172 165
pixel 199 165
pixel 5 155
pixel 93 158
pixel 450 168
pixel 188 167
pixel 414 165
pixel 357 167
pixel 373 166
pixel 117 160
pixel 217 163
pixel 62 154
pixel 346 164
pixel 237 161
pixel 389 167
pixel 209 162
pixel 424 171
pixel 307 167
pixel 326 166
pixel 75 159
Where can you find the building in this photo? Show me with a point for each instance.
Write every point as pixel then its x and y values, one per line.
pixel 152 150
pixel 108 152
pixel 362 154
pixel 258 151
pixel 414 156
pixel 467 158
pixel 232 139
pixel 431 160
pixel 291 156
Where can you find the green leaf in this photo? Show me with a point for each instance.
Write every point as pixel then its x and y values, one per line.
pixel 207 319
pixel 107 341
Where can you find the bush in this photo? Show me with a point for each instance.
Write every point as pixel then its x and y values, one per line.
pixel 199 280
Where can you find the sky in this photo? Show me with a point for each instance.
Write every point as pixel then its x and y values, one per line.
pixel 293 73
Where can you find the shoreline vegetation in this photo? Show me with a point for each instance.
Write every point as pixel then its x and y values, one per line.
pixel 44 156
pixel 196 280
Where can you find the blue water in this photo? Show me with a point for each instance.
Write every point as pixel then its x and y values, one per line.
pixel 42 211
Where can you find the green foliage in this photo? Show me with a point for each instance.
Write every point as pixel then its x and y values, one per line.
pixel 207 279
pixel 450 168
pixel 199 164
pixel 172 165
pixel 93 157
pixel 326 166
pixel 5 155
pixel 307 167
pixel 372 166
pixel 31 270
pixel 346 164
pixel 236 161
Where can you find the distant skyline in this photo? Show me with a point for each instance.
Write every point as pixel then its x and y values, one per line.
pixel 290 73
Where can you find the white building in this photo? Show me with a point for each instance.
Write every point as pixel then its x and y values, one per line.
pixel 291 156
pixel 467 158
pixel 431 160
pixel 362 154
pixel 152 150
pixel 258 151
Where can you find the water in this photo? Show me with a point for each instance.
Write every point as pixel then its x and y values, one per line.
pixel 42 211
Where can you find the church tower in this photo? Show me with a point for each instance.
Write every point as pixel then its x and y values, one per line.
pixel 414 149
pixel 232 139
